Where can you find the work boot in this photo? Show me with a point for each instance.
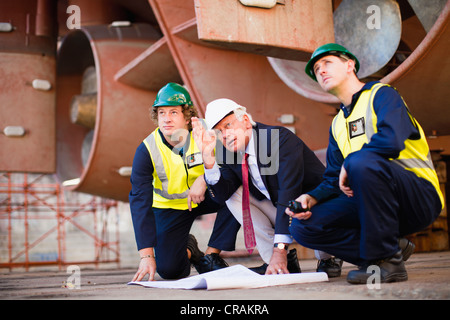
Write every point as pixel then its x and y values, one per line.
pixel 210 262
pixel 391 270
pixel 332 267
pixel 192 246
pixel 407 248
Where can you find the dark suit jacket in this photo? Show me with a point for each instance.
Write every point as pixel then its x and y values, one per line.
pixel 287 166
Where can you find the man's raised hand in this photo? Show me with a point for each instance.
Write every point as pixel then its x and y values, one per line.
pixel 206 142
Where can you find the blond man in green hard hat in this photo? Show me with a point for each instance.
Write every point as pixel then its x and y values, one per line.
pixel 379 185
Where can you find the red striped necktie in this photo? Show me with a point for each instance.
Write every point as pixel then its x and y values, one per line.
pixel 249 233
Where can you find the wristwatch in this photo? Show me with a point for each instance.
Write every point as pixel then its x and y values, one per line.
pixel 281 246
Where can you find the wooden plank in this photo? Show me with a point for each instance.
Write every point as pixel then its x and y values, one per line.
pixel 291 31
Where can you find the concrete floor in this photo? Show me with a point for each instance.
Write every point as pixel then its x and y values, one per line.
pixel 429 278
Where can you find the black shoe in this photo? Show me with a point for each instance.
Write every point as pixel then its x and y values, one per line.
pixel 210 262
pixel 192 246
pixel 293 265
pixel 391 270
pixel 261 269
pixel 407 248
pixel 332 267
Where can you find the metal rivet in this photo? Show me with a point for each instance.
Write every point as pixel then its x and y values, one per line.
pixel 6 27
pixel 121 24
pixel 14 131
pixel 125 171
pixel 40 84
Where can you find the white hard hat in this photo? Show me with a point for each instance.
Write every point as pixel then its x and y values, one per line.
pixel 216 110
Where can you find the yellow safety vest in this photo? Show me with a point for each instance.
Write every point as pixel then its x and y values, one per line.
pixel 353 132
pixel 173 175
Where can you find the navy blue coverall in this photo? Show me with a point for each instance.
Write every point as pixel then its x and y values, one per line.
pixel 389 201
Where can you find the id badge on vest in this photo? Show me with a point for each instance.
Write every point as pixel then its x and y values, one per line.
pixel 194 160
pixel 356 128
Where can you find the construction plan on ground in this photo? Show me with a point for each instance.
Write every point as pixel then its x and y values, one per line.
pixel 235 277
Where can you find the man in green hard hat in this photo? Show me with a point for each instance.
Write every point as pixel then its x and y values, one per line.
pixel 379 184
pixel 169 192
pixel 330 49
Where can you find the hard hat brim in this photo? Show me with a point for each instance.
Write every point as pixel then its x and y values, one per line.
pixel 323 51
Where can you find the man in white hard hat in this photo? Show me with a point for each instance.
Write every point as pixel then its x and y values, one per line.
pixel 261 169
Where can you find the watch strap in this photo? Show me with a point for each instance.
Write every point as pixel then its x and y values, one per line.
pixel 281 246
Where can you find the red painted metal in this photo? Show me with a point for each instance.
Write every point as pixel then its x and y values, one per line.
pixel 122 117
pixel 424 78
pixel 27 53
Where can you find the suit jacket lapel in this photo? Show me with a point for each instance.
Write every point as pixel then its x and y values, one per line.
pixel 256 140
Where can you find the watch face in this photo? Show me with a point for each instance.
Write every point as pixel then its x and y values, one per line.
pixel 281 246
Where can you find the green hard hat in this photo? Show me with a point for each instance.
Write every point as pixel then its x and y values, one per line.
pixel 325 50
pixel 172 94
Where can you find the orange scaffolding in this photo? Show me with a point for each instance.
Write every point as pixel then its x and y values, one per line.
pixel 32 198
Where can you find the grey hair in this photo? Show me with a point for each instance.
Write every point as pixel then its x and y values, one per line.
pixel 240 112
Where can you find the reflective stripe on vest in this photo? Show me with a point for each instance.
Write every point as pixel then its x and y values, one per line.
pixel 161 171
pixel 357 129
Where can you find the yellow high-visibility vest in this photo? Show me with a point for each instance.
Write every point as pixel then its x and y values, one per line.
pixel 173 174
pixel 353 132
